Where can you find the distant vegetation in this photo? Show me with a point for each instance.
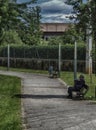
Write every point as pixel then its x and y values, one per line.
pixel 21 25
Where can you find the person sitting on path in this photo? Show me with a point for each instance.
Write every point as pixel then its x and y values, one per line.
pixel 78 84
pixel 50 71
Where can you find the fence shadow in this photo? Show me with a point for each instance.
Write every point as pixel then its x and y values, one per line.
pixel 39 96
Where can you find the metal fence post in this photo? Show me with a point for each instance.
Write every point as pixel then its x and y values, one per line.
pixel 8 57
pixel 95 91
pixel 75 61
pixel 59 62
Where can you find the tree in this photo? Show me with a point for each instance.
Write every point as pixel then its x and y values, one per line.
pixel 29 27
pixel 86 13
pixel 17 16
pixel 93 23
pixel 54 40
pixel 11 37
pixel 71 35
pixel 8 15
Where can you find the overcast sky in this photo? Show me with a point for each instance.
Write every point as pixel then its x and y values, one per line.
pixel 54 10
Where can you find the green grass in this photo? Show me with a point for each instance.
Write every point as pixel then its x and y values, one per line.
pixel 24 70
pixel 10 106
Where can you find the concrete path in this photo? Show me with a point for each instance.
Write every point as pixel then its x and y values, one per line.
pixel 45 106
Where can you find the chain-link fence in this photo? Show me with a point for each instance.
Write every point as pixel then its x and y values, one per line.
pixel 41 59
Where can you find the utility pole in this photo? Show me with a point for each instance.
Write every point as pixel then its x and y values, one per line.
pixel 88 52
pixel 89 48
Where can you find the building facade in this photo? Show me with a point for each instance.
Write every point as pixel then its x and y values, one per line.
pixel 53 29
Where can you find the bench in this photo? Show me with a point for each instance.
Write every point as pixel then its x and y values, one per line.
pixel 80 94
pixel 55 74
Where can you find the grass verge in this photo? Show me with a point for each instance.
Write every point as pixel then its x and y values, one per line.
pixel 24 70
pixel 10 106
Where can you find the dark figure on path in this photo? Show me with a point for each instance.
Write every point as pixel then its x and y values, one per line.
pixel 50 70
pixel 78 84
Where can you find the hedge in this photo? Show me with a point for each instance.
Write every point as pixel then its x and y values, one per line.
pixel 44 52
pixel 40 57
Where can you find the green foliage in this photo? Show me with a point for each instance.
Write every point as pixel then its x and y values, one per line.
pixel 8 16
pixel 55 40
pixel 39 57
pixel 29 28
pixel 71 35
pixel 26 22
pixel 10 106
pixel 43 52
pixel 68 37
pixel 93 19
pixel 11 37
pixel 85 13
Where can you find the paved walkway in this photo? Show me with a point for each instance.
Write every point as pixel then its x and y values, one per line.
pixel 45 107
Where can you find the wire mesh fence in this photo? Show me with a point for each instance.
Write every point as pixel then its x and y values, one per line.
pixel 41 58
pixel 42 64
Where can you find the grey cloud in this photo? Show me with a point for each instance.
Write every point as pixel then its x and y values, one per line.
pixel 55 6
pixel 57 18
pixel 43 1
pixel 22 1
pixel 54 10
